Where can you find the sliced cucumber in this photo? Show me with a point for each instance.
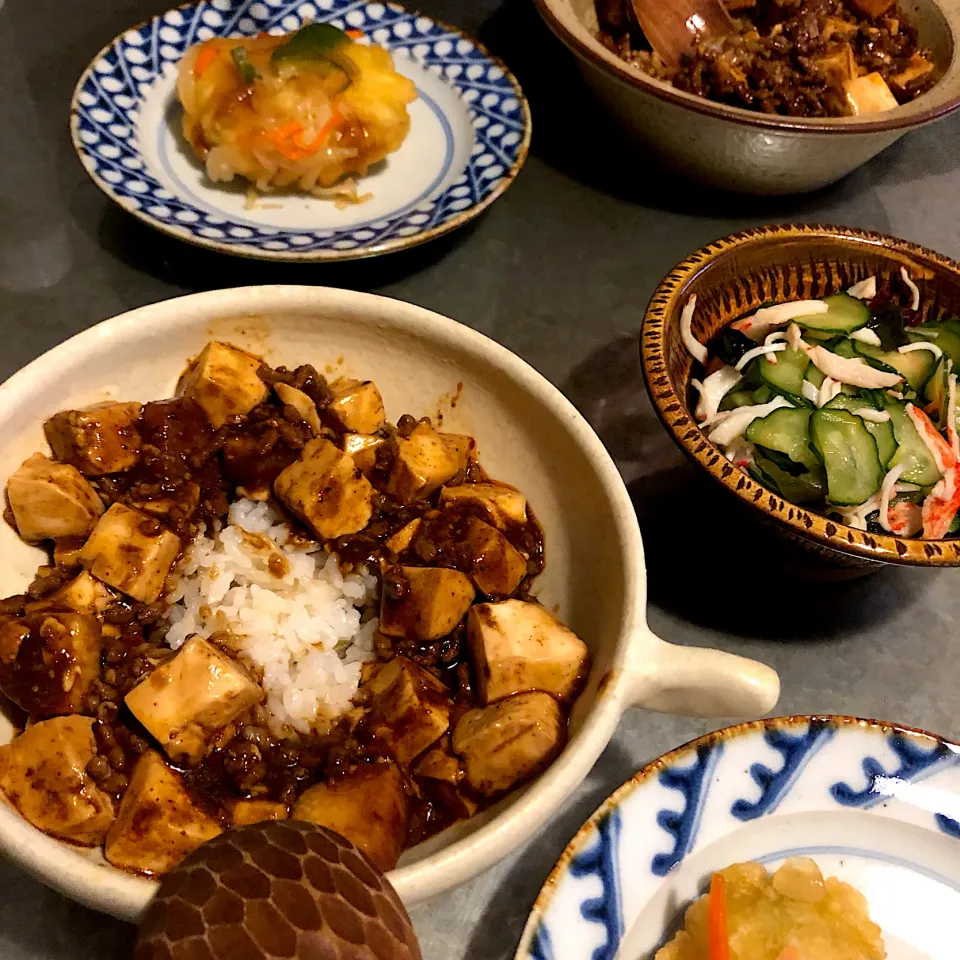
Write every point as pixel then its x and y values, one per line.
pixel 935 390
pixel 844 315
pixel 882 432
pixel 843 348
pixel 849 455
pixel 786 430
pixel 736 398
pixel 947 337
pixel 815 375
pixel 785 377
pixel 763 394
pixel 915 367
pixel 918 465
pixel 800 489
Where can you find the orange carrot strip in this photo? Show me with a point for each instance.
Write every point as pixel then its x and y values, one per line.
pixel 717 940
pixel 205 57
pixel 290 128
pixel 312 146
pixel 355 34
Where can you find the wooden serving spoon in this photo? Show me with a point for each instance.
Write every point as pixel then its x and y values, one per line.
pixel 673 26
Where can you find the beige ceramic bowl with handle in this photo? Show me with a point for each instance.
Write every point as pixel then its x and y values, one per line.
pixel 528 435
pixel 744 150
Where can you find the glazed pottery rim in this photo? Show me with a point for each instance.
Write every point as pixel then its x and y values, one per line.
pixel 666 305
pixel 396 244
pixel 122 894
pixel 665 760
pixel 904 118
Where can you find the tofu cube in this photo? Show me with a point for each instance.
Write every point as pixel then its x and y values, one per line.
pixel 462 447
pixel 52 500
pixel 422 463
pixel 916 69
pixel 409 708
pixel 839 65
pixel 402 539
pixel 504 505
pixel 191 696
pixel 245 812
pixel 131 552
pixel 869 94
pixel 326 490
pixel 49 660
pixel 440 763
pixel 101 439
pixel 83 594
pixel 43 773
pixel 498 567
pixel 508 742
pixel 305 407
pixel 356 407
pixel 158 823
pixel 433 603
pixel 363 449
pixel 517 647
pixel 367 805
pixel 224 381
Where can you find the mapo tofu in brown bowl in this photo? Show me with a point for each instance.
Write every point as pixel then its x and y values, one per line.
pixel 797 95
pixel 350 592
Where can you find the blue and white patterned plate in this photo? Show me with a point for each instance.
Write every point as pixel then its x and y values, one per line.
pixel 874 804
pixel 469 134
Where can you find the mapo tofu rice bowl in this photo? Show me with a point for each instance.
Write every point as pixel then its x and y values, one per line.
pixel 264 600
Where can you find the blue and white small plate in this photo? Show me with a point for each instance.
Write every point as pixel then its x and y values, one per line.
pixel 469 135
pixel 874 804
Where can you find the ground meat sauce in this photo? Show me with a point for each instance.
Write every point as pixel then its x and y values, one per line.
pixel 186 476
pixel 789 57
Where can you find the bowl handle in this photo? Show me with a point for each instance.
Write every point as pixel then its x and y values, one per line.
pixel 697 682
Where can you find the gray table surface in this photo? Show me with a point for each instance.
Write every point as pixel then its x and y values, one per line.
pixel 559 270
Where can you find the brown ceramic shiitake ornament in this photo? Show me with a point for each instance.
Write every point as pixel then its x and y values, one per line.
pixel 276 891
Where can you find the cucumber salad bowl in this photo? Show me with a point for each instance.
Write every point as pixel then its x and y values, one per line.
pixel 813 371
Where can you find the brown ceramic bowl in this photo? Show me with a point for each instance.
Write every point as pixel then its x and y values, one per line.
pixel 745 150
pixel 736 275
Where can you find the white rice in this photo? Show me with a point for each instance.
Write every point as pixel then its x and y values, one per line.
pixel 304 624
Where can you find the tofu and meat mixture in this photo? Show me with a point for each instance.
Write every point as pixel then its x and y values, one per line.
pixel 797 58
pixel 264 600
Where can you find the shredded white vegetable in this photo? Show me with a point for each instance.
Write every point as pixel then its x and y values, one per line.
pixel 759 352
pixel 911 347
pixel 864 289
pixel 886 492
pixel 865 335
pixel 828 390
pixel 697 350
pixel 795 337
pixel 740 452
pixel 775 337
pixel 856 517
pixel 874 416
pixel 912 287
pixel 809 391
pixel 855 371
pixel 713 390
pixel 736 421
pixel 757 327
